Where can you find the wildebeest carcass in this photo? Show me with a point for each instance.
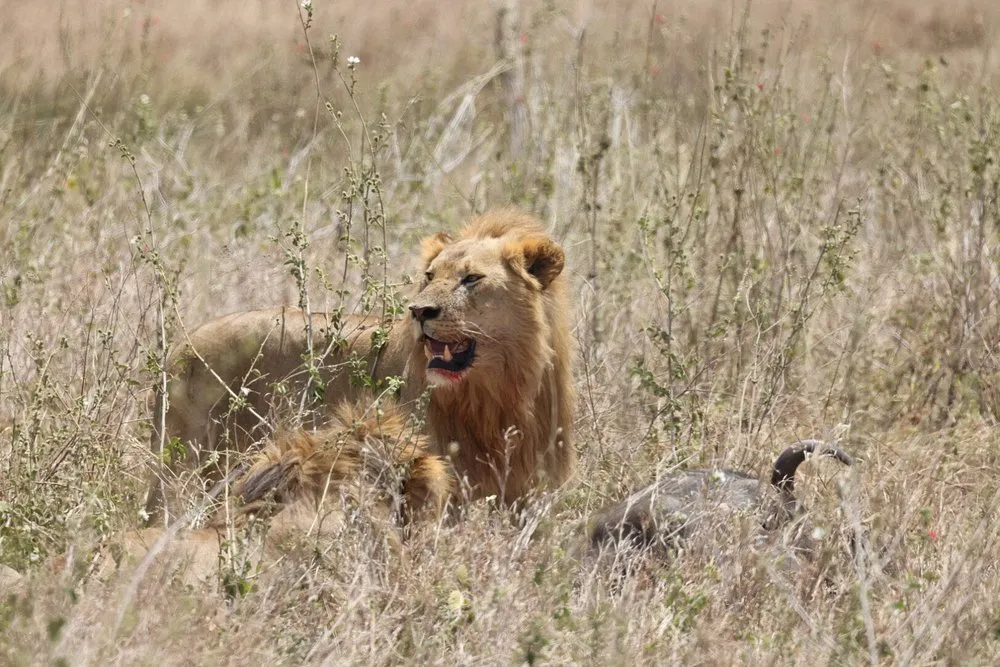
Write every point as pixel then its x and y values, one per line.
pixel 672 508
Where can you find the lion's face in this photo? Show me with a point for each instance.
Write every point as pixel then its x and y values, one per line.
pixel 479 308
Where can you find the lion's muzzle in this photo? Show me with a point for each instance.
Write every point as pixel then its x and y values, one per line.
pixel 423 313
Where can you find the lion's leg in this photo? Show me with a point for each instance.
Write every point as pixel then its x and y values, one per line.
pixel 200 425
pixel 155 493
pixel 183 433
pixel 154 510
pixel 175 449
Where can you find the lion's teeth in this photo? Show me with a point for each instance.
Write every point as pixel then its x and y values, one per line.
pixel 427 351
pixel 447 354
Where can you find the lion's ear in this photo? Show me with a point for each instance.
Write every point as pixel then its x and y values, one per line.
pixel 540 256
pixel 432 245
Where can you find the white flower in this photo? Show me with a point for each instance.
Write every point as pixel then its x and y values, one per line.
pixel 353 60
pixel 307 5
pixel 144 99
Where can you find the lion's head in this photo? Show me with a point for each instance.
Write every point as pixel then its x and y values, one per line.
pixel 483 297
pixel 491 339
pixel 366 453
pixel 368 468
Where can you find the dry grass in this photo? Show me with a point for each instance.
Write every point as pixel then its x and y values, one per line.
pixel 781 223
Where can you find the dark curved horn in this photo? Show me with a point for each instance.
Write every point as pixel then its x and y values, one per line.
pixel 783 472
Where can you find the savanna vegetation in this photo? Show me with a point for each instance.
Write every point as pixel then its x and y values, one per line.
pixel 781 221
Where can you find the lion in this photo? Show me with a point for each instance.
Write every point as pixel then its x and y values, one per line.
pixel 487 336
pixel 303 485
pixel 363 457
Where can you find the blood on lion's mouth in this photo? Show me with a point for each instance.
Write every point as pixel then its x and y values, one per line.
pixel 449 360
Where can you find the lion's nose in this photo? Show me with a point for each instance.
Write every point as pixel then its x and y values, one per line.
pixel 424 313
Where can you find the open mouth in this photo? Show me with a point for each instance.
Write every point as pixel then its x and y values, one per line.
pixel 449 359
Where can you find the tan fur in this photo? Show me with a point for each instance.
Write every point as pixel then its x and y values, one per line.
pixel 520 384
pixel 301 483
pixel 523 383
pixel 362 458
pixel 242 357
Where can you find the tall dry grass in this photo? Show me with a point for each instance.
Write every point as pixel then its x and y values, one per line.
pixel 781 221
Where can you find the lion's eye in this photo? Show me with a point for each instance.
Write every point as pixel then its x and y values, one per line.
pixel 471 279
pixel 429 276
